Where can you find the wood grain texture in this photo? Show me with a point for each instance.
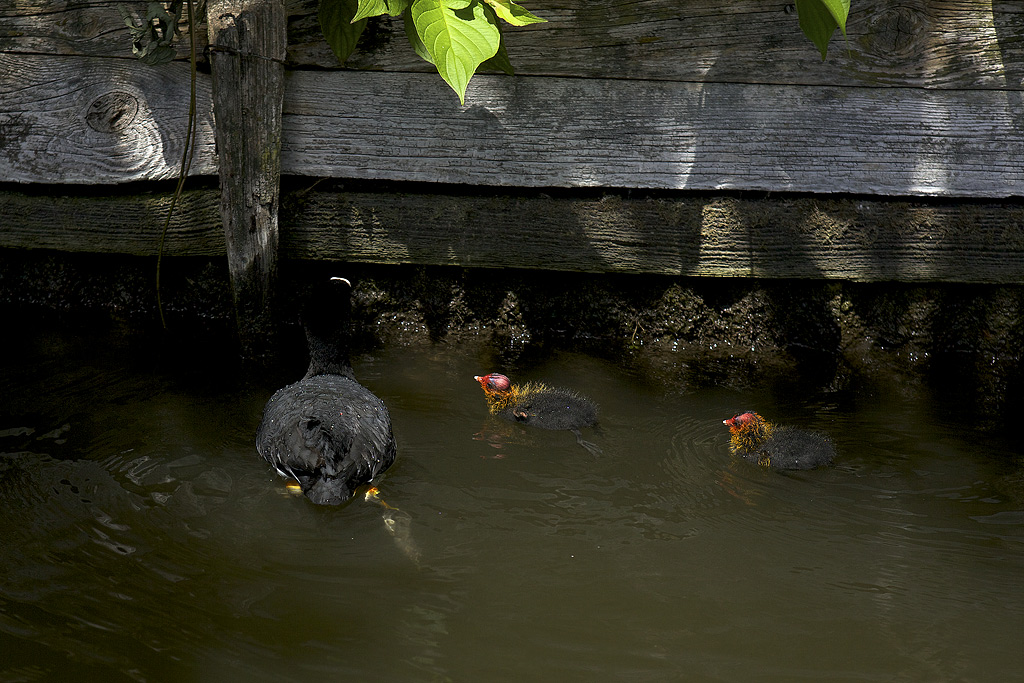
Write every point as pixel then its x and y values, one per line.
pixel 90 120
pixel 537 132
pixel 247 49
pixel 77 120
pixel 847 239
pixel 784 238
pixel 920 43
pixel 112 223
pixel 83 28
pixel 927 43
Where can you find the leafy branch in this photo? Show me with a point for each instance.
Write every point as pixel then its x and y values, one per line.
pixel 460 36
pixel 456 36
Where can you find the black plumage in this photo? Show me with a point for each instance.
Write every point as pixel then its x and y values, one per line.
pixel 537 404
pixel 327 431
pixel 784 448
pixel 553 408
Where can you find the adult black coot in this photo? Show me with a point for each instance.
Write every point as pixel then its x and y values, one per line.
pixel 539 405
pixel 327 431
pixel 782 448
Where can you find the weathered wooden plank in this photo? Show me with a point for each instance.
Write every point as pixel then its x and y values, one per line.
pixel 118 125
pixel 247 50
pixel 848 239
pixel 90 120
pixel 92 28
pixel 932 43
pixel 799 238
pixel 118 223
pixel 537 132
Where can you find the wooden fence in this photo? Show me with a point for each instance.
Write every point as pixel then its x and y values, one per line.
pixel 659 136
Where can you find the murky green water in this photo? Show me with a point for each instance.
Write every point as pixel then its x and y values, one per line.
pixel 142 538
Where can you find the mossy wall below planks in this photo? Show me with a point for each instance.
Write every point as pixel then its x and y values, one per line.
pixel 677 332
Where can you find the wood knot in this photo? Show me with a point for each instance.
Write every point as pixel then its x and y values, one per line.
pixel 112 112
pixel 895 32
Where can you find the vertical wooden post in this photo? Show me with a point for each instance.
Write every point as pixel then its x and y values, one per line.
pixel 248 39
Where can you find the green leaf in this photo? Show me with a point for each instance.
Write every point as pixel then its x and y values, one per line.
pixel 370 8
pixel 375 8
pixel 458 35
pixel 840 10
pixel 161 54
pixel 820 18
pixel 499 62
pixel 396 7
pixel 157 11
pixel 336 22
pixel 513 13
pixel 417 45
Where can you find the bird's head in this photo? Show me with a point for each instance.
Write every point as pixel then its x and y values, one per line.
pixel 745 421
pixel 494 383
pixel 748 429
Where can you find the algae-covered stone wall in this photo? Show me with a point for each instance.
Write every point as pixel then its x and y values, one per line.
pixel 961 340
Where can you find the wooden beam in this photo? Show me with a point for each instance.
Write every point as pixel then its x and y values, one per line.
pixel 852 239
pixel 952 44
pixel 112 223
pixel 849 239
pixel 90 120
pixel 530 132
pixel 247 48
pixel 540 132
pixel 957 44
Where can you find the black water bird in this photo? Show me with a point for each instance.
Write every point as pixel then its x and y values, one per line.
pixel 327 431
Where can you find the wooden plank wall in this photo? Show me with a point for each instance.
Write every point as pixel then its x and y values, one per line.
pixel 921 108
pixel 712 236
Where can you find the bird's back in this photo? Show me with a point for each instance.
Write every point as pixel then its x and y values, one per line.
pixel 552 408
pixel 796 449
pixel 328 432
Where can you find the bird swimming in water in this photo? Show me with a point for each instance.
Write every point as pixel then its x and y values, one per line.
pixel 782 448
pixel 327 431
pixel 539 405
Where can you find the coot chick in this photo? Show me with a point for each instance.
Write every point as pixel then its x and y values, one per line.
pixel 539 405
pixel 782 448
pixel 327 431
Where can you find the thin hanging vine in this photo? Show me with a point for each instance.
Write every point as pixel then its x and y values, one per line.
pixel 152 43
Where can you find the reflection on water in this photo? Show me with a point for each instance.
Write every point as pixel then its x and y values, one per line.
pixel 144 539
